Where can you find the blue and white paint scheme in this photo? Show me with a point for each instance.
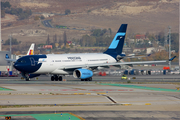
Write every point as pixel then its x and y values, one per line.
pixel 79 65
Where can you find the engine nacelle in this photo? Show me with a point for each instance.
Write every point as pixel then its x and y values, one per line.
pixel 82 73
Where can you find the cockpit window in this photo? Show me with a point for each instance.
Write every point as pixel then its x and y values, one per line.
pixel 21 61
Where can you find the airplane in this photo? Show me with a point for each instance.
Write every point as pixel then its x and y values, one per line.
pixel 80 65
pixel 30 52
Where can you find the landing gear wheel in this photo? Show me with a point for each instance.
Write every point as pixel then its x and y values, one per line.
pixel 56 78
pixel 52 78
pixel 90 79
pixel 27 79
pixel 60 78
pixel 82 79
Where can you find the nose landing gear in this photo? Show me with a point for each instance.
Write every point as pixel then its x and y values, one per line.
pixel 25 75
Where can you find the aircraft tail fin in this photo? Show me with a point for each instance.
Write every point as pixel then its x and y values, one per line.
pixel 116 45
pixel 31 50
pixel 7 56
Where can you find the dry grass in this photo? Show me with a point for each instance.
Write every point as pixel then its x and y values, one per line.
pixel 141 15
pixel 31 5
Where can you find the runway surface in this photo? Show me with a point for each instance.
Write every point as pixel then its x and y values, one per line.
pixel 108 78
pixel 95 115
pixel 104 98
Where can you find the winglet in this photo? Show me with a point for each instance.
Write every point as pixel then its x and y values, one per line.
pixel 172 58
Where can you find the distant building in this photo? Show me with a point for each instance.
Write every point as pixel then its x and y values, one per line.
pixel 131 41
pixel 47 46
pixel 138 50
pixel 140 38
pixel 150 50
pixel 69 42
pixel 47 15
pixel 127 50
pixel 153 49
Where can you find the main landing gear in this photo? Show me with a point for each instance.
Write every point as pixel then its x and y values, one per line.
pixel 56 78
pixel 87 79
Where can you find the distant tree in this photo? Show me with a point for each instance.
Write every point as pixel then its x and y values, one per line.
pixel 48 41
pixel 19 10
pixel 67 11
pixel 65 38
pixel 92 41
pixel 147 34
pixel 161 38
pixel 88 11
pixel 107 40
pixel 82 42
pixel 28 11
pixel 42 17
pixel 25 14
pixel 174 41
pixel 110 31
pixel 60 41
pixel 71 45
pixel 86 40
pixel 151 37
pixel 98 32
pixel 13 41
pixel 103 32
pixel 2 13
pixel 100 41
pixel 36 17
pixel 54 40
pixel 5 5
pixel 13 11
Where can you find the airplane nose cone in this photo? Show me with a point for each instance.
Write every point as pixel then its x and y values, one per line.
pixel 19 67
pixel 16 66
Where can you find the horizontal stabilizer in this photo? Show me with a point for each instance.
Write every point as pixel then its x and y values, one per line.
pixel 172 58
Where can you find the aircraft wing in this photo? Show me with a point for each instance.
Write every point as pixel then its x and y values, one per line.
pixel 117 63
pixel 126 63
pixel 132 56
pixel 137 56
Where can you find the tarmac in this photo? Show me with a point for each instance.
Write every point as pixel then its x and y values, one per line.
pixel 89 100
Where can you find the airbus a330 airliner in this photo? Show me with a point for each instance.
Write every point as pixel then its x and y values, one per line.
pixel 79 65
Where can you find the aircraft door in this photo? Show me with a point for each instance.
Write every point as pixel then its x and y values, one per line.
pixel 32 61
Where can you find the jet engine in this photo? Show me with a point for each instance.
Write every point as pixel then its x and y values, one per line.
pixel 82 73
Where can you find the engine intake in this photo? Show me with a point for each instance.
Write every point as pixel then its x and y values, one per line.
pixel 82 73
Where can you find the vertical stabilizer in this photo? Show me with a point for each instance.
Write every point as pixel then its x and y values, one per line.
pixel 116 45
pixel 31 50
